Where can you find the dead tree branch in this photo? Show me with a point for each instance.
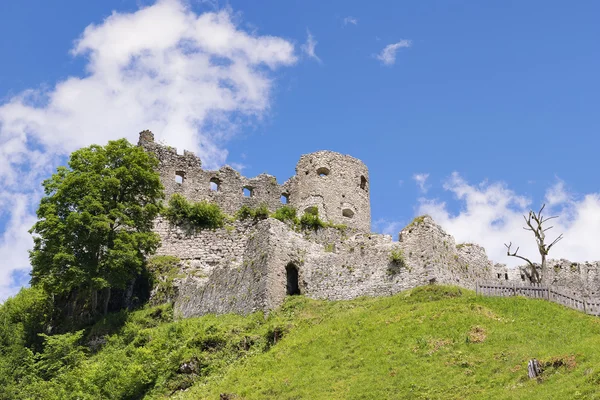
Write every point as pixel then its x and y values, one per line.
pixel 535 223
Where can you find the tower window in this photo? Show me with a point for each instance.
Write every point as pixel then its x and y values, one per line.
pixel 363 182
pixel 179 177
pixel 323 171
pixel 285 198
pixel 248 191
pixel 215 184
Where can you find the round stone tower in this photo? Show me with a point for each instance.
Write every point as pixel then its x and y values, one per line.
pixel 337 185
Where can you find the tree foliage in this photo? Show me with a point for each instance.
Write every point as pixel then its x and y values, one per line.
pixel 94 228
pixel 193 216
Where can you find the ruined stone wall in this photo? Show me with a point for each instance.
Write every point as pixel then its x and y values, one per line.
pixel 337 185
pixel 581 279
pixel 333 264
pixel 243 267
pixel 183 174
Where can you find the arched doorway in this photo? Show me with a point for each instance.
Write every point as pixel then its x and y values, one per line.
pixel 292 287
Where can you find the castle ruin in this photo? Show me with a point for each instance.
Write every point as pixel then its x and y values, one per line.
pixel 249 265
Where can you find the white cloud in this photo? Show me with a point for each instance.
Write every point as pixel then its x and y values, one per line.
pixel 192 79
pixel 492 214
pixel 557 194
pixel 388 227
pixel 388 54
pixel 421 180
pixel 350 20
pixel 309 47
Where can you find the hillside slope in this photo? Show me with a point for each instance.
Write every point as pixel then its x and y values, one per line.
pixel 433 342
pixel 422 344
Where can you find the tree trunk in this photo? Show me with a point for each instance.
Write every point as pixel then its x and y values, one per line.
pixel 94 301
pixel 106 300
pixel 129 293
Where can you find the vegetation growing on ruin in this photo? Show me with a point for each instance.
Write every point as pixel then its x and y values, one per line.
pixel 416 221
pixel 397 261
pixel 256 214
pixel 193 216
pixel 163 272
pixel 310 219
pixel 391 347
pixel 286 214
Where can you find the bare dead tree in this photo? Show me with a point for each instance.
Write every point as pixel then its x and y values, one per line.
pixel 535 223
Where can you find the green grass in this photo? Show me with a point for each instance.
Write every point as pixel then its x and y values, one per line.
pixel 431 343
pixel 434 342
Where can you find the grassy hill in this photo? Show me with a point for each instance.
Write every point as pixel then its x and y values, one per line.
pixel 434 342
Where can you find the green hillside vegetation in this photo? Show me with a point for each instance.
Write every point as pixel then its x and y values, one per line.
pixel 433 342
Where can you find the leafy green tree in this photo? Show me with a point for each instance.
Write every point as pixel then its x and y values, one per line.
pixel 94 228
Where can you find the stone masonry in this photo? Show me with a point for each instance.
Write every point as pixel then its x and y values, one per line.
pixel 248 266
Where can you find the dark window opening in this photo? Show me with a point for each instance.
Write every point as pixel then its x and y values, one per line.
pixel 363 182
pixel 522 277
pixel 285 198
pixel 506 276
pixel 292 287
pixel 215 184
pixel 323 171
pixel 248 191
pixel 499 276
pixel 348 213
pixel 179 177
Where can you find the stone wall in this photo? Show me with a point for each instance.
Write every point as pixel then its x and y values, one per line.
pixel 581 279
pixel 338 185
pixel 243 268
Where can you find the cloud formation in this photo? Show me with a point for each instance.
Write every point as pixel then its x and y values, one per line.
pixel 421 180
pixel 193 79
pixel 350 20
pixel 309 47
pixel 388 54
pixel 492 214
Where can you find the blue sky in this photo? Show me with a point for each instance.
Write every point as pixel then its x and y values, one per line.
pixel 482 110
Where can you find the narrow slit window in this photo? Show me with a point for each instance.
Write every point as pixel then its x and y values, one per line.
pixel 363 182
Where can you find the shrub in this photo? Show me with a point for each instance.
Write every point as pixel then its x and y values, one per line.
pixel 194 216
pixel 258 213
pixel 397 257
pixel 163 271
pixel 286 213
pixel 311 220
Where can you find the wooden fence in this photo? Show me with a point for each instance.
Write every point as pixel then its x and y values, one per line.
pixel 538 291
